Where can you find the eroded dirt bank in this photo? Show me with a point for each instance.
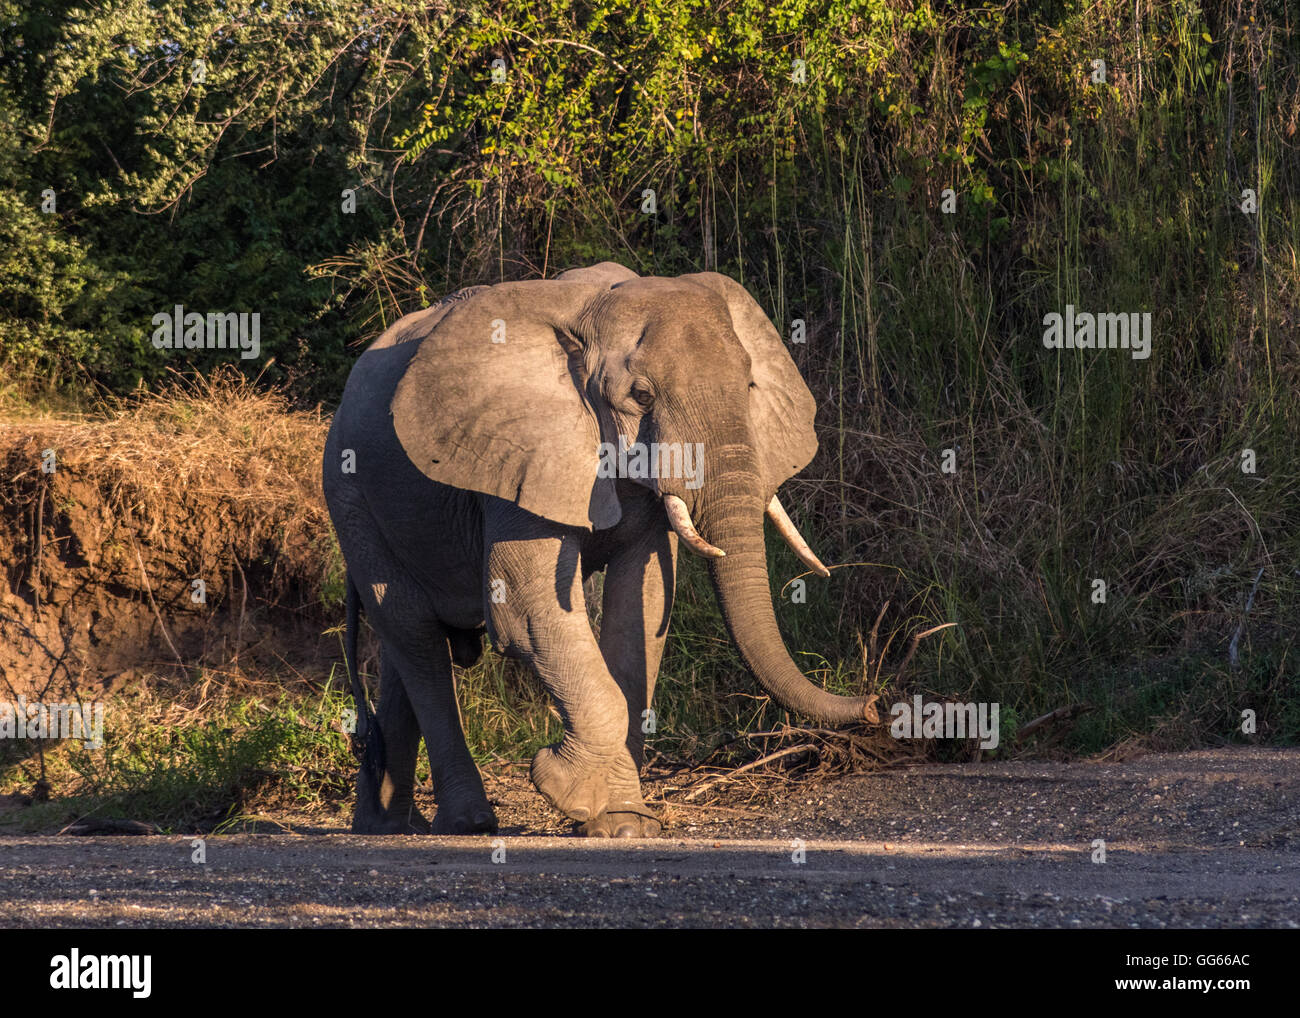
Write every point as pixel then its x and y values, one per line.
pixel 131 542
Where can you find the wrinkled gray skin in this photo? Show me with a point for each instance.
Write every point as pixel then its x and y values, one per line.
pixel 476 471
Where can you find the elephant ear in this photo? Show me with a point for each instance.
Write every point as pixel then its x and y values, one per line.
pixel 781 407
pixel 494 400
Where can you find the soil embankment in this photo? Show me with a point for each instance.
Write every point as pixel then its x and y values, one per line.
pixel 187 527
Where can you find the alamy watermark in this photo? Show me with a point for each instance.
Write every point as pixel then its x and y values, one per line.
pixel 920 720
pixel 23 720
pixel 77 971
pixel 683 460
pixel 192 330
pixel 1083 330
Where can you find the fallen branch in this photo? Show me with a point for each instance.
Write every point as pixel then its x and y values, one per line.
pixel 1060 714
pixel 788 751
pixel 744 814
pixel 109 825
pixel 911 649
pixel 1241 626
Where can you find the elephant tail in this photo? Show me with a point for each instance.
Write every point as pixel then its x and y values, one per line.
pixel 367 740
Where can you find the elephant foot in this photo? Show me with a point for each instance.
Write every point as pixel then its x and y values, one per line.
pixel 477 819
pixel 409 821
pixel 577 792
pixel 615 824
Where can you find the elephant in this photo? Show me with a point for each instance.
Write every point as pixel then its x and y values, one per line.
pixel 489 453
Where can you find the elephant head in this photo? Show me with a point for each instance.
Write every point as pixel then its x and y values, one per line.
pixel 524 388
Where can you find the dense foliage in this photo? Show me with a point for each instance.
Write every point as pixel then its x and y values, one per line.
pixel 199 153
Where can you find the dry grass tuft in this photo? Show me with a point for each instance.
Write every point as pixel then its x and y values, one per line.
pixel 213 452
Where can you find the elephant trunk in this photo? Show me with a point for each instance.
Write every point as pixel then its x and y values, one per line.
pixel 732 511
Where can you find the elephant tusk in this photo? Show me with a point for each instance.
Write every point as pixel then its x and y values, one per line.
pixel 786 528
pixel 680 517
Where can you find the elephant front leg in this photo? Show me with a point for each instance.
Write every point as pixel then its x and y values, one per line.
pixel 638 601
pixel 537 613
pixel 637 604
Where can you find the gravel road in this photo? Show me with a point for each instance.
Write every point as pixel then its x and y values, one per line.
pixel 1208 839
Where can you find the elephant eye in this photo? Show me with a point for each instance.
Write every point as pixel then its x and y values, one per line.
pixel 643 396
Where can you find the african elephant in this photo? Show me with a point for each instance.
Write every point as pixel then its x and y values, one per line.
pixel 469 476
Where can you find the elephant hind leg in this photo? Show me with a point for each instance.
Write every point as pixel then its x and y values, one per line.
pixel 388 806
pixel 422 656
pixel 418 690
